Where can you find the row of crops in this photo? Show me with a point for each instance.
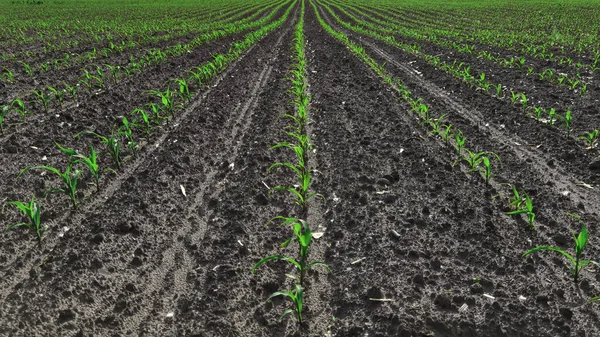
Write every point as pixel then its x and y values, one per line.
pixel 83 101
pixel 464 42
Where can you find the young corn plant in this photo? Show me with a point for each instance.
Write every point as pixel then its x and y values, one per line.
pixel 70 179
pixel 514 97
pixel 300 194
pixel 303 235
pixel 460 140
pixel 126 131
pixel 581 240
pixel 538 113
pixel 445 132
pixel 72 90
pixel 184 90
pixel 568 119
pixel 516 200
pixel 32 211
pixel 143 122
pixel 551 116
pixel 58 95
pixel 27 68
pixel 436 124
pixel 18 105
pixel 112 144
pixel 90 162
pixel 296 295
pixel 523 208
pixel 166 99
pixel 524 101
pixel 43 99
pixel 591 138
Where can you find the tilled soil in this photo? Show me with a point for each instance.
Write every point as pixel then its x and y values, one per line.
pixel 166 246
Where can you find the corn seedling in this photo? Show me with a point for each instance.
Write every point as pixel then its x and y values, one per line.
pixel 538 113
pixel 87 80
pixel 143 122
pixel 112 144
pixel 473 159
pixel 70 179
pixel 514 97
pixel 573 83
pixel 591 138
pixel 99 78
pixel 72 91
pixel 583 89
pixel 43 99
pixel 126 130
pixel 580 242
pixel 568 120
pixel 32 210
pixel 516 200
pixel 303 174
pixel 551 115
pixel 166 99
pixel 303 235
pixel 524 101
pixel 296 295
pixel 18 105
pixel 499 91
pixel 8 75
pixel 436 124
pixel 184 90
pixel 27 68
pixel 445 133
pixel 114 70
pixel 90 162
pixel 460 141
pixel 526 209
pixel 58 95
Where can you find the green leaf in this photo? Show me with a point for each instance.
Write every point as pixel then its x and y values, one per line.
pixel 287 311
pixel 67 151
pixel 582 239
pixel 286 242
pixel 558 250
pixel 280 293
pixel 21 206
pixel 21 224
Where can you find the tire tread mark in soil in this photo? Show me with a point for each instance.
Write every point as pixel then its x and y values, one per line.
pixel 238 124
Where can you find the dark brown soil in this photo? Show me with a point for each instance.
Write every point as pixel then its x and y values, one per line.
pixel 142 258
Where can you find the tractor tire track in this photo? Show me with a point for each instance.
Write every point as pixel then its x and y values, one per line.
pixel 193 225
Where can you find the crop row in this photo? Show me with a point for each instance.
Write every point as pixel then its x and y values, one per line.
pixel 570 38
pixel 148 56
pixel 99 52
pixel 462 71
pixel 171 101
pixel 391 27
pixel 98 79
pixel 520 202
pixel 300 192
